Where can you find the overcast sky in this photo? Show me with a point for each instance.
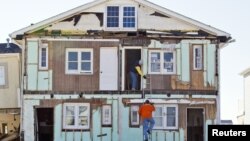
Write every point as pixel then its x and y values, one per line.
pixel 231 16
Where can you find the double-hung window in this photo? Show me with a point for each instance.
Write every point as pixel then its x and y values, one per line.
pixel 121 17
pixel 162 62
pixel 79 61
pixel 165 117
pixel 3 75
pixel 43 57
pixel 76 116
pixel 197 57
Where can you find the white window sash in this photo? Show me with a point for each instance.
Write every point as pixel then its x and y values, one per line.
pixel 44 46
pixel 79 61
pixel 163 116
pixel 197 58
pixel 162 70
pixel 106 115
pixel 120 27
pixel 76 116
pixel 135 120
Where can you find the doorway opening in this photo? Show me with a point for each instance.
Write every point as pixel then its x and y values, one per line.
pixel 195 124
pixel 44 124
pixel 131 56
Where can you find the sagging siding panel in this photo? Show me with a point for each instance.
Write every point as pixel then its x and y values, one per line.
pixel 211 49
pixel 32 64
pixel 65 82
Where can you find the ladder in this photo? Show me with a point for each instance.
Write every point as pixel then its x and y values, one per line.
pixel 148 86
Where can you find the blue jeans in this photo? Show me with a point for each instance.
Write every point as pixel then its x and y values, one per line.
pixel 133 80
pixel 148 124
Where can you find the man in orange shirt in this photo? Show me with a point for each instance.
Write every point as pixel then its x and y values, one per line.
pixel 145 113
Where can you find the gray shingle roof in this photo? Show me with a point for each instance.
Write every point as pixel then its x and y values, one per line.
pixel 13 48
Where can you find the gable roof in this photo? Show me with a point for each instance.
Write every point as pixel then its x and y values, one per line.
pixel 12 48
pixel 77 10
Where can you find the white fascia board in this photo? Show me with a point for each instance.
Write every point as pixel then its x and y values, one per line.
pixel 178 16
pixel 58 17
pixel 245 71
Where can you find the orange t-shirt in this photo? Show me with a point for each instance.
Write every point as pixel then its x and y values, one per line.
pixel 146 110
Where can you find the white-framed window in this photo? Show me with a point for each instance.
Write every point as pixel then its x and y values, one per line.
pixel 134 115
pixel 106 115
pixel 3 75
pixel 166 117
pixel 76 116
pixel 121 17
pixel 162 62
pixel 43 57
pixel 79 61
pixel 197 57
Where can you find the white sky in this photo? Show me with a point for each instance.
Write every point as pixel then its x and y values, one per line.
pixel 231 16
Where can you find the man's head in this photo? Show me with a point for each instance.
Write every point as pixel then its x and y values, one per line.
pixel 147 101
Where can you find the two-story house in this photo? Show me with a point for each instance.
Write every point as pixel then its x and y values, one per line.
pixel 76 73
pixel 244 110
pixel 10 64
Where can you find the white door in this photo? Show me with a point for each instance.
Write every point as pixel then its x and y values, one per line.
pixel 108 68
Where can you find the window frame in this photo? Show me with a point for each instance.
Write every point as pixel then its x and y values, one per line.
pixel 199 47
pixel 134 108
pixel 43 46
pixel 5 75
pixel 79 61
pixel 164 117
pixel 76 116
pixel 162 70
pixel 109 118
pixel 121 16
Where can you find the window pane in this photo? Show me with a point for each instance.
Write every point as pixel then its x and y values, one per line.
pixel 72 56
pixel 155 62
pixel 158 111
pixel 168 62
pixel 72 66
pixel 70 115
pixel 2 75
pixel 86 55
pixel 112 16
pixel 158 121
pixel 43 57
pixel 134 116
pixel 83 116
pixel 171 111
pixel 129 17
pixel 85 66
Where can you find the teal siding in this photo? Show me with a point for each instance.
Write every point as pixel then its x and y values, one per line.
pixel 178 59
pixel 32 77
pixel 43 80
pixel 96 124
pixel 211 64
pixel 32 52
pixel 185 64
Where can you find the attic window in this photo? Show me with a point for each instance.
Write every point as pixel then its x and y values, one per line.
pixel 121 17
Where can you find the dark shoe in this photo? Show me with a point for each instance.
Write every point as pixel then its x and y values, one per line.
pixel 149 132
pixel 146 140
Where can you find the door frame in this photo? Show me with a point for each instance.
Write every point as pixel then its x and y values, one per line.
pixel 204 128
pixel 123 63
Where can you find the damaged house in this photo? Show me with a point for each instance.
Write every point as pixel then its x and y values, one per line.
pixel 76 73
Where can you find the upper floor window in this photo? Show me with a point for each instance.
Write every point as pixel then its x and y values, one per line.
pixel 3 75
pixel 43 57
pixel 121 17
pixel 76 116
pixel 79 61
pixel 162 62
pixel 197 57
pixel 166 117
